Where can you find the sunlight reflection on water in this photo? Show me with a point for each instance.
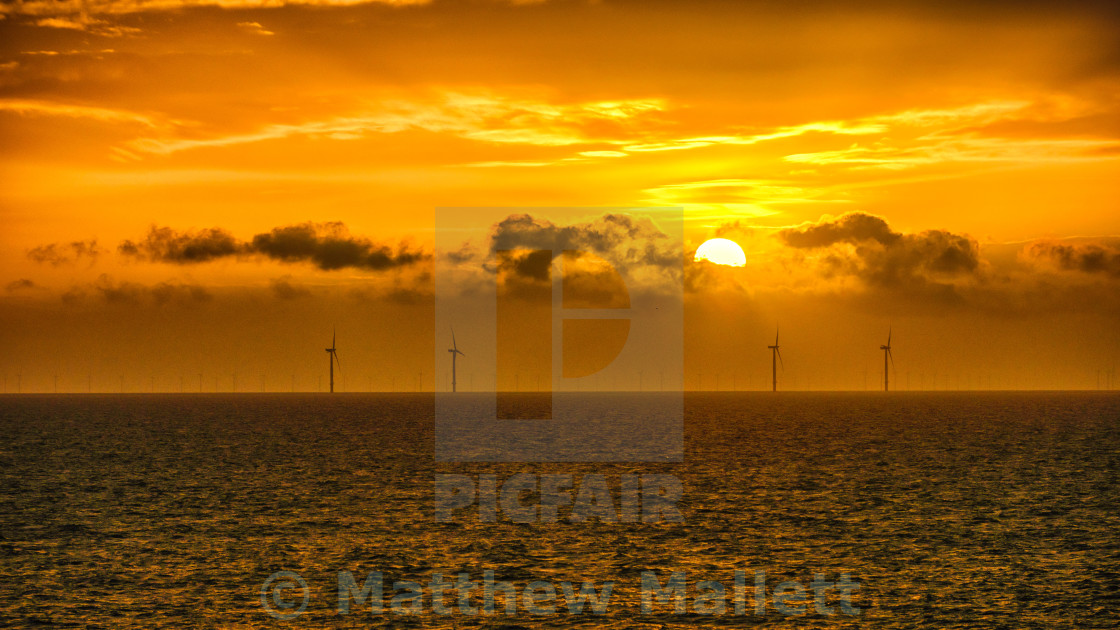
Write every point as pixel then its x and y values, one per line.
pixel 962 510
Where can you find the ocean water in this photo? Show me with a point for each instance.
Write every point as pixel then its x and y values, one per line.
pixel 950 510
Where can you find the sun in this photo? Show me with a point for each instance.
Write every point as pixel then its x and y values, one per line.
pixel 721 252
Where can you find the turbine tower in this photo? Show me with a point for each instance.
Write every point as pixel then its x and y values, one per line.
pixel 887 355
pixel 775 357
pixel 332 358
pixel 454 350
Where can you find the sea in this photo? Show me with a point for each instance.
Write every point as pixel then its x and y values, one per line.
pixel 943 510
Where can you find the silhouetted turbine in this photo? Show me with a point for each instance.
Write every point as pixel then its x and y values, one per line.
pixel 887 355
pixel 332 358
pixel 454 350
pixel 775 357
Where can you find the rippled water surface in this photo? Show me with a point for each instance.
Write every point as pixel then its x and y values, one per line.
pixel 951 510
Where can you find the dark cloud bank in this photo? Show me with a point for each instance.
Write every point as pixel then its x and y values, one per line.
pixel 1090 258
pixel 623 240
pixel 124 292
pixel 328 246
pixel 56 254
pixel 883 257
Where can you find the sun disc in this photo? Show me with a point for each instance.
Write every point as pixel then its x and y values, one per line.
pixel 722 251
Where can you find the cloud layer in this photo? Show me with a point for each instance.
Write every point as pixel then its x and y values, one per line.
pixel 328 246
pixel 127 292
pixel 865 245
pixel 46 8
pixel 1090 258
pixel 619 238
pixel 56 254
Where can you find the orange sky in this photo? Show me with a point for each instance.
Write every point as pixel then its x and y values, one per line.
pixel 849 151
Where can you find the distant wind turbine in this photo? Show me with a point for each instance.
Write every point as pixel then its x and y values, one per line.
pixel 332 358
pixel 887 355
pixel 775 358
pixel 455 352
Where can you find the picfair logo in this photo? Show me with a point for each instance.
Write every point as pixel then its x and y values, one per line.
pixel 567 340
pixel 594 319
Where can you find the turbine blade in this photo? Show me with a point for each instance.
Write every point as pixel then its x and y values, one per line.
pixel 334 333
pixel 891 356
pixel 780 362
pixel 776 331
pixel 889 331
pixel 453 344
pixel 337 362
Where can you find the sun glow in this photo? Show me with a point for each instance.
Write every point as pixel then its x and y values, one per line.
pixel 722 251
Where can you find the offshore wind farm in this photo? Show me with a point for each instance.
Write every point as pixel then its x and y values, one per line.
pixel 740 378
pixel 566 248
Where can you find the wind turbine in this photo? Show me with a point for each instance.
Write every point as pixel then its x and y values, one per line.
pixel 454 350
pixel 775 357
pixel 887 355
pixel 332 358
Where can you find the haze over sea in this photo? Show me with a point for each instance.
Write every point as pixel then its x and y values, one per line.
pixel 952 510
